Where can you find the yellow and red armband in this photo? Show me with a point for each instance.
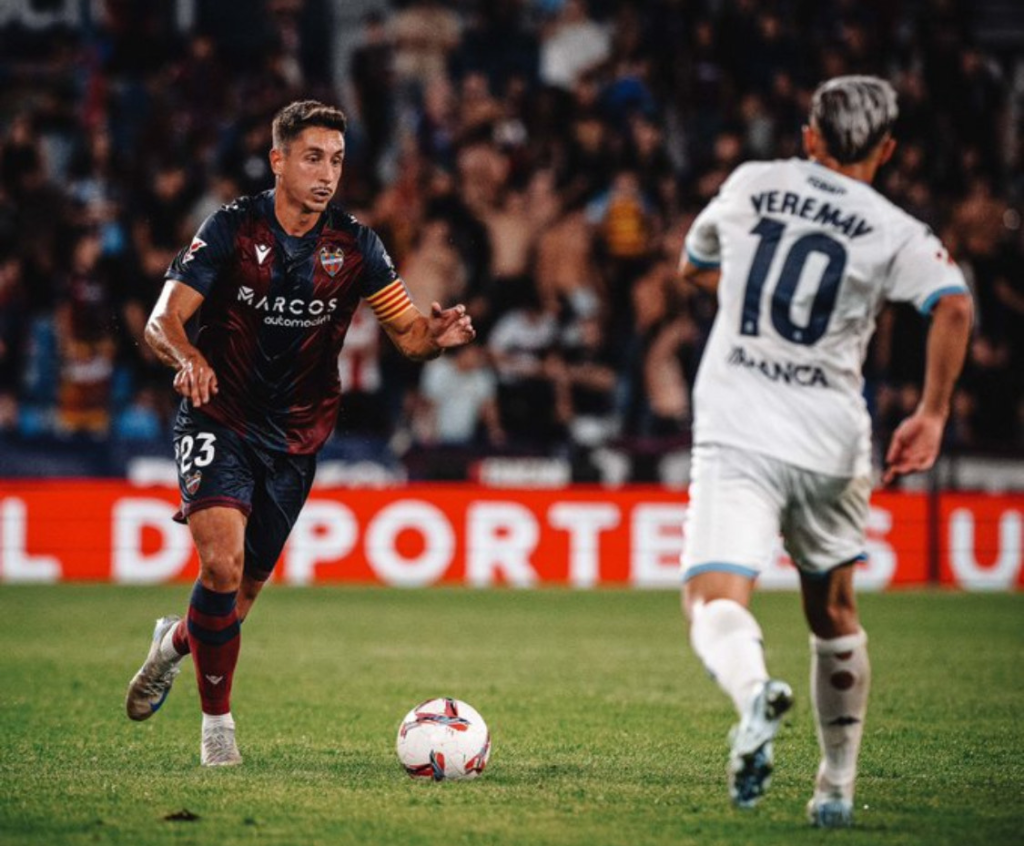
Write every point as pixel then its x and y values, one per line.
pixel 390 302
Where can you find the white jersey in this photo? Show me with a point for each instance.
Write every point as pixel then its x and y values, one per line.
pixel 808 259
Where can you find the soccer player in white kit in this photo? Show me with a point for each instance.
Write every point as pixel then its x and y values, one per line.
pixel 803 254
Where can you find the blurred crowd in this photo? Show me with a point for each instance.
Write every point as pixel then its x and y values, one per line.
pixel 539 160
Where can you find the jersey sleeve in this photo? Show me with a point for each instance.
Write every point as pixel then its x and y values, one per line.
pixel 198 264
pixel 922 271
pixel 702 247
pixel 380 285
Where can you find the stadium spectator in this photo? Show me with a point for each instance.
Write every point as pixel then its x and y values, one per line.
pixel 565 267
pixel 364 412
pixel 532 392
pixel 514 226
pixel 372 71
pixel 438 128
pixel 161 219
pixel 625 224
pixel 142 417
pixel 657 369
pixel 590 380
pixel 498 42
pixel 459 402
pixel 572 44
pixel 433 270
pixel 243 160
pixel 424 32
pixel 87 341
pixel 221 189
pixel 12 344
pixel 483 172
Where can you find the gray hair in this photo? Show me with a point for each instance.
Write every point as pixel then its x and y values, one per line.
pixel 853 114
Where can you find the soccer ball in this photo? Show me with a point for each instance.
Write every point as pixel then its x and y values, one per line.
pixel 445 740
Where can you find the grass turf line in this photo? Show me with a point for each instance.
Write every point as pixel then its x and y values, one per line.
pixel 606 729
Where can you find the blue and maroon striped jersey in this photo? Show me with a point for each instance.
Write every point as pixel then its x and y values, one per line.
pixel 275 314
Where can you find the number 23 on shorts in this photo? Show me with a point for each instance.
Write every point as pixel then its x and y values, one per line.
pixel 203 447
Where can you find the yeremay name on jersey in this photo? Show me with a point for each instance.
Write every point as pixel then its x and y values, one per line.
pixel 811 209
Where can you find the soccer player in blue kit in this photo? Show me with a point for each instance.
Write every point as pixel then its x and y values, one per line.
pixel 267 289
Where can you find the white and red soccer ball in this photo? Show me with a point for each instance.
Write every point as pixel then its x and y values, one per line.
pixel 444 740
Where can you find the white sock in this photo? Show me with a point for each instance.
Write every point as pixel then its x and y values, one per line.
pixel 212 721
pixel 727 638
pixel 166 649
pixel 840 680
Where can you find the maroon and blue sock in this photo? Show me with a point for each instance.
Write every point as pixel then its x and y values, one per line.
pixel 179 638
pixel 214 640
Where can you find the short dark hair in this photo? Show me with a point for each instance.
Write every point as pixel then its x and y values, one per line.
pixel 853 114
pixel 295 117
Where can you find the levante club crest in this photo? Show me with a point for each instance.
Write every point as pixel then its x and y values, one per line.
pixel 332 258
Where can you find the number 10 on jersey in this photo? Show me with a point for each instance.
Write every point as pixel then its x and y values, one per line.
pixel 770 232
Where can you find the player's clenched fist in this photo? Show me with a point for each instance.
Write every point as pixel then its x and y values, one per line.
pixel 196 380
pixel 450 327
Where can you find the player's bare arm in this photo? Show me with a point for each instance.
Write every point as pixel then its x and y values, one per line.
pixel 916 442
pixel 422 337
pixel 705 278
pixel 165 334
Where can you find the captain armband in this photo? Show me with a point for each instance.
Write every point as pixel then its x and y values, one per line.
pixel 390 302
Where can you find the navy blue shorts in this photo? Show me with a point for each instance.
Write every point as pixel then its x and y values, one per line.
pixel 216 467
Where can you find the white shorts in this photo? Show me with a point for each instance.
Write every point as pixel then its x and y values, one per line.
pixel 740 501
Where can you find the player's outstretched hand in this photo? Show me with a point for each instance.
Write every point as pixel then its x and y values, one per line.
pixel 450 327
pixel 915 445
pixel 196 381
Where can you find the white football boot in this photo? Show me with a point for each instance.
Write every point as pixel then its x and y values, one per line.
pixel 151 684
pixel 831 806
pixel 218 747
pixel 751 758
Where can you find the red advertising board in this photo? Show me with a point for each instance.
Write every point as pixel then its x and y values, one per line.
pixel 981 541
pixel 435 534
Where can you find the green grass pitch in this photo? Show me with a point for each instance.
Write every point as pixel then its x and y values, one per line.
pixel 605 728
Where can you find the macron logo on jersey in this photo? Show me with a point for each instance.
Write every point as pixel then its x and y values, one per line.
pixel 193 248
pixel 262 251
pixel 304 314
